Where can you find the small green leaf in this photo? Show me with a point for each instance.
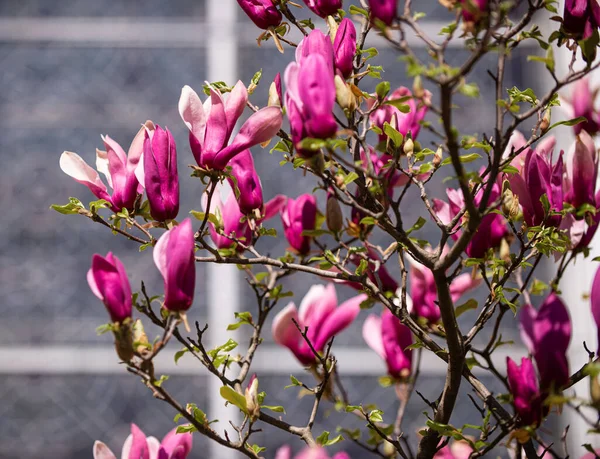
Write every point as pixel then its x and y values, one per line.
pixel 351 177
pixel 468 305
pixel 395 136
pixel 180 354
pixel 312 144
pixel 72 207
pixel 417 226
pixel 276 409
pixel 463 159
pixel 356 10
pixel 382 89
pixel 234 398
pixel 375 416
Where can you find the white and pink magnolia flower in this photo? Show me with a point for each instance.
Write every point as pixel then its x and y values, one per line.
pixel 319 311
pixel 138 446
pixel 118 167
pixel 211 125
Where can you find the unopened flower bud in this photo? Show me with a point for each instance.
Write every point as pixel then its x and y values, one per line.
pixel 595 391
pixel 124 340
pixel 545 123
pixel 343 94
pixel 275 92
pixel 389 450
pixel 505 250
pixel 437 158
pixel 140 339
pixel 334 216
pixel 251 395
pixel 418 90
pixel 409 147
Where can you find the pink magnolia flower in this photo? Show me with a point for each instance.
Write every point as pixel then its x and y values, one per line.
pixel 107 279
pixel 344 47
pixel 298 215
pixel 581 17
pixel 537 176
pixel 285 452
pixel 473 10
pixel 457 450
pixel 581 103
pixel 492 229
pixel 323 317
pixel 118 167
pixel 160 174
pixel 595 301
pixel 262 12
pixel 232 221
pixel 310 90
pixel 211 125
pixel 324 8
pixel 403 122
pixel 138 446
pixel 174 257
pixel 524 387
pixel 593 455
pixel 247 181
pixel 384 10
pixel 547 334
pixel 423 291
pixel 389 338
pixel 581 172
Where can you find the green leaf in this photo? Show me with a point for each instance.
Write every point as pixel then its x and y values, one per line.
pixel 295 382
pixel 469 90
pixel 161 380
pixel 257 76
pixel 312 144
pixel 276 409
pixel 234 398
pixel 186 428
pixel 468 305
pixel 243 318
pixel 356 10
pixel 324 440
pixel 72 207
pixel 180 354
pixel 382 89
pixel 368 221
pixel 417 226
pixel 572 122
pixel 463 159
pixel 283 145
pixel 375 416
pixel 99 204
pixel 399 104
pixel 257 449
pixel 395 136
pixel 351 177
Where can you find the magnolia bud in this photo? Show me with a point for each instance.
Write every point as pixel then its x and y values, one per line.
pixel 333 27
pixel 595 391
pixel 418 90
pixel 545 123
pixel 343 94
pixel 334 217
pixel 140 340
pixel 124 340
pixel 505 250
pixel 251 395
pixel 389 450
pixel 437 158
pixel 409 147
pixel 275 92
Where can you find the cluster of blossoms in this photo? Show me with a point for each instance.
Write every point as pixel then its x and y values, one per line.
pixel 537 191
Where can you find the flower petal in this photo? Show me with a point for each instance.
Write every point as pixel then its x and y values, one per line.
pixel 101 451
pixel 371 333
pixel 192 113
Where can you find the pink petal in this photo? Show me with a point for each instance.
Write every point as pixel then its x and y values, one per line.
pixel 284 331
pixel 595 301
pixel 159 253
pixel 317 304
pixel 371 332
pixel 216 126
pixel 273 206
pixel 339 320
pixel 93 286
pixel 135 447
pixel 101 451
pixel 259 128
pixel 527 318
pixel 285 452
pixel 462 284
pixel 73 165
pixel 235 104
pixel 192 113
pixel 134 155
pixel 177 446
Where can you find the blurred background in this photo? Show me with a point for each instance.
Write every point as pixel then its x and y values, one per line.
pixel 76 69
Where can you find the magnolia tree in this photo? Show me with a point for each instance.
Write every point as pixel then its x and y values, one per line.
pixel 513 201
